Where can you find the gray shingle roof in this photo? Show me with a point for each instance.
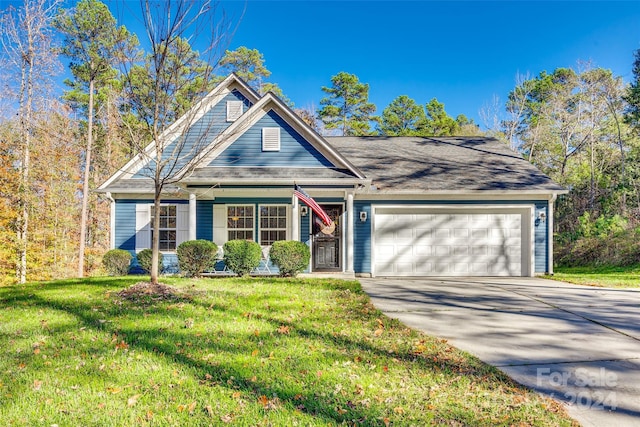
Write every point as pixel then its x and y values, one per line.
pixel 266 173
pixel 451 163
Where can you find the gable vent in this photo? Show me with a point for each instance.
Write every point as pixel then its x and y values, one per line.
pixel 270 139
pixel 234 110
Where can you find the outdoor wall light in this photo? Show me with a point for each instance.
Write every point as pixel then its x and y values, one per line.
pixel 304 211
pixel 363 216
pixel 542 216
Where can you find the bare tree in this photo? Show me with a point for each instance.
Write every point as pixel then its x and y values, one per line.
pixel 28 51
pixel 166 86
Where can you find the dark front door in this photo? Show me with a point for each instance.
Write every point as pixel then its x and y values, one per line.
pixel 327 241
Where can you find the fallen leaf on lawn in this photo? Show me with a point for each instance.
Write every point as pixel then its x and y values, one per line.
pixel 181 408
pixel 122 345
pixel 236 395
pixel 283 329
pixel 256 332
pixel 209 410
pixel 385 368
pixel 398 410
pixel 254 379
pixel 114 390
pixel 192 407
pixel 255 352
pixel 37 385
pixel 226 418
pixel 36 351
pixel 149 415
pixel 386 421
pixel 133 400
pixel 208 376
pixel 263 400
pixel 378 332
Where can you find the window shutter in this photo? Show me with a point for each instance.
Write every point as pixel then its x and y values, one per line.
pixel 182 229
pixel 234 110
pixel 219 225
pixel 143 227
pixel 270 139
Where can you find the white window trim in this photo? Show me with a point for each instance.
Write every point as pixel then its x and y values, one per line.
pixel 234 110
pixel 182 226
pixel 226 220
pixel 271 139
pixel 151 230
pixel 287 216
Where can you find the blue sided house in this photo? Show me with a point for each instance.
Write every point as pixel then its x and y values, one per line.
pixel 401 206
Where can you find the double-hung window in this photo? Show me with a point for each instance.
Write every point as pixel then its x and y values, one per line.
pixel 167 231
pixel 273 224
pixel 240 222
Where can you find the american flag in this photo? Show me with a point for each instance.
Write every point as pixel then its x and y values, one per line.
pixel 308 200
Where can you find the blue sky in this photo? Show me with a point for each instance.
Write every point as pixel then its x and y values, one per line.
pixel 462 53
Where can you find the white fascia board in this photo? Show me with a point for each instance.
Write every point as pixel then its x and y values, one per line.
pixel 458 207
pixel 275 181
pixel 196 112
pixel 454 195
pixel 286 193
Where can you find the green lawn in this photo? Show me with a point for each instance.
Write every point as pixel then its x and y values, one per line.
pixel 614 277
pixel 243 352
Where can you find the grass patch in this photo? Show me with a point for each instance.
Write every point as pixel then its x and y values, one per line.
pixel 603 276
pixel 238 352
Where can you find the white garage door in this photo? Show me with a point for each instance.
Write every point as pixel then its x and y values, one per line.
pixel 451 242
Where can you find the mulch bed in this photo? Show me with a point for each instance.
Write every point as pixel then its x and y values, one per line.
pixel 150 291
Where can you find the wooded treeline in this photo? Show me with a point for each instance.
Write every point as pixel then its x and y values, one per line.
pixel 579 125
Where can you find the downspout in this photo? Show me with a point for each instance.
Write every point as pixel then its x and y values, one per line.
pixel 550 234
pixel 112 224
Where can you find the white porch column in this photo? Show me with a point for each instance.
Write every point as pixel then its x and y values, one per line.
pixel 550 235
pixel 295 219
pixel 350 226
pixel 192 216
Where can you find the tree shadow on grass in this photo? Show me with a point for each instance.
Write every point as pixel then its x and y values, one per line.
pixel 315 399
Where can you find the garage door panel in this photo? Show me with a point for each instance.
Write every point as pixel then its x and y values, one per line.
pixel 470 243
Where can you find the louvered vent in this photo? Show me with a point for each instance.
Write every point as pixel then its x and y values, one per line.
pixel 270 139
pixel 234 110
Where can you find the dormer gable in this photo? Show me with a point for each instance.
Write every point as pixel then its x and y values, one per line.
pixel 206 119
pixel 242 143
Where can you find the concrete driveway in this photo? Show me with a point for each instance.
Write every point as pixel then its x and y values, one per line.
pixel 577 344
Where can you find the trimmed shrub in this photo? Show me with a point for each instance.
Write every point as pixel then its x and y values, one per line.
pixel 291 256
pixel 144 260
pixel 196 256
pixel 242 256
pixel 116 262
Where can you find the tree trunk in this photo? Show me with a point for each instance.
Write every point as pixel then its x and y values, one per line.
pixel 25 108
pixel 85 184
pixel 155 237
